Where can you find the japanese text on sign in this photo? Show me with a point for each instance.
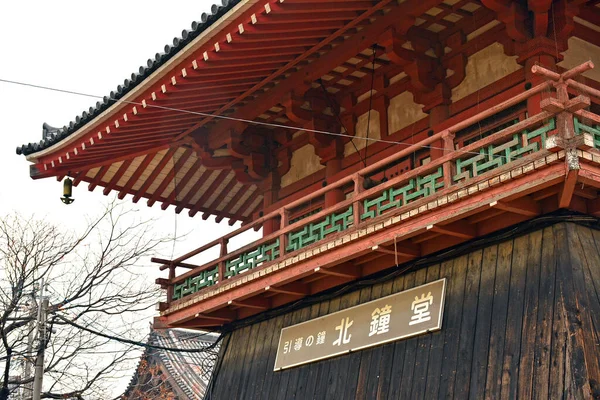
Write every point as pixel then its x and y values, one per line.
pixel 394 317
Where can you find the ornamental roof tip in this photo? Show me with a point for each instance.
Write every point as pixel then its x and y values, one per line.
pixel 52 135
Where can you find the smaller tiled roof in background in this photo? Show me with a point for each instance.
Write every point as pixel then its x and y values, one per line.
pixel 52 135
pixel 187 373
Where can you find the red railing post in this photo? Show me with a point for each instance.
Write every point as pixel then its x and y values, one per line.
pixel 448 166
pixel 284 221
pixel 223 253
pixel 357 206
pixel 171 287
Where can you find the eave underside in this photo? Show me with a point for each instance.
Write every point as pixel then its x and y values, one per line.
pixel 255 72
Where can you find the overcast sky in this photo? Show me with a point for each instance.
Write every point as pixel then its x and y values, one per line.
pixel 90 47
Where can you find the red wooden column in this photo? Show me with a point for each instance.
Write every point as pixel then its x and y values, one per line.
pixel 541 58
pixel 270 188
pixel 437 115
pixel 333 165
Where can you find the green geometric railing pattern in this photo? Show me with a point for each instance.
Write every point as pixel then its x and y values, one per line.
pixel 316 231
pixel 494 156
pixel 488 158
pixel 194 284
pixel 416 188
pixel 252 259
pixel 594 131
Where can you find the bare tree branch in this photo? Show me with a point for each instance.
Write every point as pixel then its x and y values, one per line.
pixel 93 280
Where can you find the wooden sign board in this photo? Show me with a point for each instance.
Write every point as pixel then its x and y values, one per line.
pixel 401 315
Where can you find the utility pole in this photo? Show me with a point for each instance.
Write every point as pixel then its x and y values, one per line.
pixel 28 387
pixel 39 361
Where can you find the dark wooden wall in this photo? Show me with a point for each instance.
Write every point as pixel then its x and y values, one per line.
pixel 520 321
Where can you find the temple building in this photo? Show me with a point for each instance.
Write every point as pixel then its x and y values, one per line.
pixel 425 174
pixel 169 375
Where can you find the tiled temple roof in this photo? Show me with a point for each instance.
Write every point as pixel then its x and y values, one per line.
pixel 189 372
pixel 52 135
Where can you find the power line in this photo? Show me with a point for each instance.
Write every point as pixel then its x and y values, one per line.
pixel 337 114
pixel 224 117
pixel 370 103
pixel 135 342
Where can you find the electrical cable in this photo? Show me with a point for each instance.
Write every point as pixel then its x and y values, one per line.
pixel 370 104
pixel 337 115
pixel 259 123
pixel 140 344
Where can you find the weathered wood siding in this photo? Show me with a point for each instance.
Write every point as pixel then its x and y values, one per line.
pixel 521 321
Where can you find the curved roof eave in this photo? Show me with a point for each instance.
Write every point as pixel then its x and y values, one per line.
pixel 202 31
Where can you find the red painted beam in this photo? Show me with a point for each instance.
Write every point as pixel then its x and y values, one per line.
pixel 234 200
pixel 209 192
pixel 232 182
pixel 240 211
pixel 155 172
pixel 192 192
pixel 115 179
pixel 182 184
pixel 141 168
pixel 163 185
pixel 98 178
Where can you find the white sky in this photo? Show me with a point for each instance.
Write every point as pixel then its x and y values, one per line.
pixel 90 47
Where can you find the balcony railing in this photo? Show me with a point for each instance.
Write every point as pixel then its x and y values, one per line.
pixel 517 140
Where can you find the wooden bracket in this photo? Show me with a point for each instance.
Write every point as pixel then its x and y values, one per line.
pixel 512 14
pixel 523 206
pixel 294 288
pixel 255 302
pixel 460 229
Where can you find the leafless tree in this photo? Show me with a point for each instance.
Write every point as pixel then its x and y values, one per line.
pixel 92 278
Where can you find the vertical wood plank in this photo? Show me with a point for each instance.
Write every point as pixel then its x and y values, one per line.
pixel 349 379
pixel 545 315
pixel 287 376
pixel 453 311
pixel 338 378
pixel 270 390
pixel 247 356
pixel 467 328
pixel 582 319
pixel 390 350
pixel 257 335
pixel 408 370
pixel 576 306
pixel 261 368
pixel 560 351
pixel 481 340
pixel 298 375
pixel 591 280
pixel 529 335
pixel 438 348
pixel 307 375
pixel 319 366
pixel 499 312
pixel 231 379
pixel 225 354
pixel 357 373
pixel 329 365
pixel 514 318
pixel 378 371
pixel 423 348
pixel 271 352
pixel 400 283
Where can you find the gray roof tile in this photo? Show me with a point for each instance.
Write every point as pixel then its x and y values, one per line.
pixel 51 135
